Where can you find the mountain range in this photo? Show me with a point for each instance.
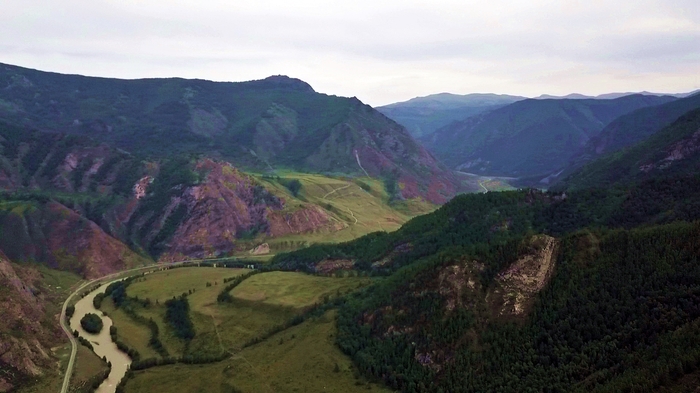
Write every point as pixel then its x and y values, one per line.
pixel 278 122
pixel 529 137
pixel 424 115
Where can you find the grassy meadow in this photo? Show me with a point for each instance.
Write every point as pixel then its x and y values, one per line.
pixel 300 358
pixel 303 358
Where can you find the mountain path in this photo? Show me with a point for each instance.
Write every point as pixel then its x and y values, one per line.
pixel 357 157
pixel 337 189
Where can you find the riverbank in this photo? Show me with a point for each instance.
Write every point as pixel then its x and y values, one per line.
pixel 102 343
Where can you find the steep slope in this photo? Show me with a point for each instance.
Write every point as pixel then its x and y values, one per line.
pixel 424 115
pixel 172 208
pixel 672 152
pixel 28 327
pixel 275 122
pixel 634 127
pixel 529 137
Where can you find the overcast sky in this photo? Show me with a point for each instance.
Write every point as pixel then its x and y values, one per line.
pixel 380 51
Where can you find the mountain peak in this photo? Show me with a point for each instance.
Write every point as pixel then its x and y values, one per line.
pixel 285 82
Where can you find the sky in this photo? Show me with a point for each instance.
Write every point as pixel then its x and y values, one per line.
pixel 381 51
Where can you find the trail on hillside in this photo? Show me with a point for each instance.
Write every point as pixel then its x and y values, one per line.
pixel 337 189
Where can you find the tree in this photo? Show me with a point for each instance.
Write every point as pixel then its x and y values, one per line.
pixel 91 323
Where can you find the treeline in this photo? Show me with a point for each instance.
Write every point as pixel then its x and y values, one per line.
pixel 117 292
pixel 493 218
pixel 225 294
pixel 177 314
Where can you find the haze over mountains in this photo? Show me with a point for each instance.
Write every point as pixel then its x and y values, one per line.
pixel 529 137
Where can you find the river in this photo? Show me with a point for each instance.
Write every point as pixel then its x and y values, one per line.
pixel 102 342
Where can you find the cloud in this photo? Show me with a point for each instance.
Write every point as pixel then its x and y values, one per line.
pixel 379 51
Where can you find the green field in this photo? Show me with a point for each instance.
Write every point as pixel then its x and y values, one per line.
pixel 132 333
pixel 291 289
pixel 87 366
pixel 300 359
pixel 166 284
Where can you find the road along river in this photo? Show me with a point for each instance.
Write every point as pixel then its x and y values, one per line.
pixel 102 342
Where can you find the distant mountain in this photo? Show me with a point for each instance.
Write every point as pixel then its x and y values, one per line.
pixel 423 115
pixel 632 128
pixel 529 137
pixel 572 96
pixel 277 122
pixel 612 96
pixel 672 152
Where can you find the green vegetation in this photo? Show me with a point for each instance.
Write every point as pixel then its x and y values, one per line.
pixel 603 324
pixel 670 152
pixel 91 323
pixel 302 358
pixel 89 369
pixel 177 314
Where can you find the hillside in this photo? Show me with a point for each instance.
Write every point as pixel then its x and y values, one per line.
pixel 277 122
pixel 632 128
pixel 170 208
pixel 516 290
pixel 30 305
pixel 424 115
pixel 672 152
pixel 529 137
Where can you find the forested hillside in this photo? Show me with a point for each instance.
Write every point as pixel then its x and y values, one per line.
pixel 530 137
pixel 277 122
pixel 587 290
pixel 672 151
pixel 634 127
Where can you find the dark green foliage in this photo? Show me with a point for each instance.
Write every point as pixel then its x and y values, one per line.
pixel 91 323
pixel 178 316
pixel 97 300
pixel 70 310
pixel 293 185
pixel 612 318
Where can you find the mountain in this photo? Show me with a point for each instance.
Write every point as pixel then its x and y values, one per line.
pixel 529 137
pixel 179 207
pixel 612 96
pixel 423 115
pixel 634 127
pixel 276 122
pixel 672 152
pixel 588 290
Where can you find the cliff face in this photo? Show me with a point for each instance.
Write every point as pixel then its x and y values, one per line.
pixel 228 206
pixel 26 331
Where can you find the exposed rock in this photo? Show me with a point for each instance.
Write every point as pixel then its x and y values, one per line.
pixel 518 285
pixel 23 339
pixel 261 249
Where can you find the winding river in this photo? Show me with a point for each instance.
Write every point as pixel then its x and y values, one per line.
pixel 102 342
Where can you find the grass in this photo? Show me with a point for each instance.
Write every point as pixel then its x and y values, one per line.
pixel 300 359
pixel 87 366
pixel 260 303
pixel 133 334
pixel 290 289
pixel 166 284
pixel 352 209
